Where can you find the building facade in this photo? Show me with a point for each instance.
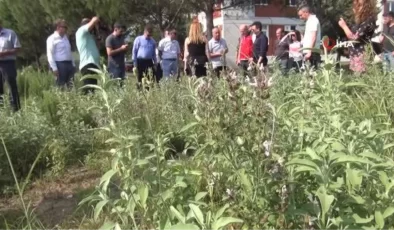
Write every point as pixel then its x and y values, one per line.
pixel 273 14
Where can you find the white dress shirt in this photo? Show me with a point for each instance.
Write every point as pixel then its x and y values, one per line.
pixel 58 49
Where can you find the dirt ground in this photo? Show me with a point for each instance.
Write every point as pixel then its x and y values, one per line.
pixel 55 200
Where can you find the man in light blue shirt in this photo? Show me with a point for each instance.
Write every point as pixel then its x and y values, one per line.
pixel 217 47
pixel 88 51
pixel 144 53
pixel 9 46
pixel 169 51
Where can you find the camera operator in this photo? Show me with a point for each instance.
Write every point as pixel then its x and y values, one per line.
pixel 88 51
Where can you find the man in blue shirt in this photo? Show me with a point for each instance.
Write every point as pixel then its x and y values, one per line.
pixel 144 53
pixel 9 46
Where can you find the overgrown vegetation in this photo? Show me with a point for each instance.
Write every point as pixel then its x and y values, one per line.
pixel 314 151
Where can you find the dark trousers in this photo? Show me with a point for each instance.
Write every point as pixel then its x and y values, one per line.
pixel 143 66
pixel 199 70
pixel 244 65
pixel 8 73
pixel 89 81
pixel 117 71
pixel 66 73
pixel 294 64
pixel 315 60
pixel 218 70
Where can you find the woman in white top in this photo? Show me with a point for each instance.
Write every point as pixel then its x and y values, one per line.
pixel 295 53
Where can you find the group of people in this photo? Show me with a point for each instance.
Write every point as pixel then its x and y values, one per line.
pixel 291 50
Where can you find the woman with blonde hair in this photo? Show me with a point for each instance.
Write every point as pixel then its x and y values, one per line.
pixel 361 32
pixel 196 51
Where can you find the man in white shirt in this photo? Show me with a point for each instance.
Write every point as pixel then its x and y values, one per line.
pixel 217 47
pixel 312 36
pixel 169 53
pixel 60 56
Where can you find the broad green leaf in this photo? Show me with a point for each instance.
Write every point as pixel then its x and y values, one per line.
pixel 99 208
pixel 108 175
pixel 197 213
pixel 245 181
pixel 354 177
pixel 188 126
pixel 379 219
pixel 304 162
pixel 200 196
pixel 143 192
pixel 220 212
pixel 109 225
pixel 325 200
pixel 224 221
pixel 388 212
pixel 338 146
pixel 183 227
pixel 360 220
pixel 178 215
pixel 312 154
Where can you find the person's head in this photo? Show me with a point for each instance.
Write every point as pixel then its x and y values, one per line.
pixel 244 29
pixel 216 33
pixel 363 9
pixel 171 33
pixel 195 32
pixel 148 31
pixel 167 32
pixel 256 27
pixel 388 18
pixel 304 12
pixel 119 29
pixel 296 37
pixel 279 33
pixel 61 26
pixel 85 21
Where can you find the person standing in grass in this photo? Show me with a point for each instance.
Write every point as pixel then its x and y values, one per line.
pixel 144 53
pixel 362 32
pixel 282 50
pixel 217 47
pixel 88 51
pixel 260 46
pixel 312 36
pixel 116 50
pixel 169 53
pixel 60 57
pixel 196 51
pixel 9 46
pixel 387 38
pixel 245 48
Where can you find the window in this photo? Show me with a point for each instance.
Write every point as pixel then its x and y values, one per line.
pixel 261 2
pixel 389 6
pixel 288 28
pixel 292 3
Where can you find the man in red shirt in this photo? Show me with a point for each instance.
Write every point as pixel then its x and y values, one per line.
pixel 245 48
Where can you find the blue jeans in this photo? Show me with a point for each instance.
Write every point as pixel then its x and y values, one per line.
pixel 170 67
pixel 66 72
pixel 388 62
pixel 117 71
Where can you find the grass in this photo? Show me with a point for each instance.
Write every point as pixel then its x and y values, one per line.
pixel 312 151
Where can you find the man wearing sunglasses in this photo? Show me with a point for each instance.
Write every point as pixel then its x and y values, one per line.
pixel 60 56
